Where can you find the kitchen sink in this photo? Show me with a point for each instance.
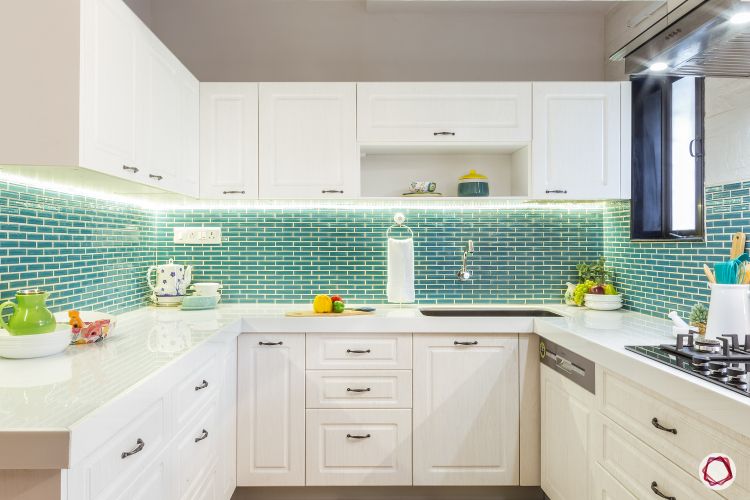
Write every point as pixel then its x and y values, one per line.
pixel 504 312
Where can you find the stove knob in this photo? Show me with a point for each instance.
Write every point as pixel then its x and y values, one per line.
pixel 733 371
pixel 718 365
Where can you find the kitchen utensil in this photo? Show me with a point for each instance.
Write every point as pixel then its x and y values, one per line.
pixel 709 274
pixel 172 279
pixel 728 311
pixel 312 314
pixel 422 187
pixel 34 346
pixel 738 245
pixel 199 302
pixel 208 289
pixel 30 315
pixel 473 184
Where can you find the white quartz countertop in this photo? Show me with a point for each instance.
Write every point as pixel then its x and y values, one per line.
pixel 58 391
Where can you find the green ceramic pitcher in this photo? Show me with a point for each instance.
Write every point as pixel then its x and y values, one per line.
pixel 30 316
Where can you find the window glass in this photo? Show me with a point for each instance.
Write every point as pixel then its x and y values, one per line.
pixel 683 155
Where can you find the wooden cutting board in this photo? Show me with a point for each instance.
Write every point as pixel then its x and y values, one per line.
pixel 311 314
pixel 738 245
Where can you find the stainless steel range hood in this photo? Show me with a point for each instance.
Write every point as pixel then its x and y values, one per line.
pixel 701 40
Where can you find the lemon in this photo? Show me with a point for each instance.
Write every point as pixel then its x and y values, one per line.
pixel 322 304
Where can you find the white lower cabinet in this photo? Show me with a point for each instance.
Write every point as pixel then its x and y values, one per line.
pixel 271 410
pixel 359 448
pixel 466 410
pixel 197 450
pixel 567 413
pixel 604 487
pixel 154 482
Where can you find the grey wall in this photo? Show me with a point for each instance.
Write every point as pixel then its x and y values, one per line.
pixel 298 40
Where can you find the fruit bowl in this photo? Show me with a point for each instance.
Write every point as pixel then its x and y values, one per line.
pixel 603 302
pixel 97 326
pixel 593 297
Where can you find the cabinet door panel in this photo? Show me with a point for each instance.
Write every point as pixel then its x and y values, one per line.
pixel 566 437
pixel 444 112
pixel 271 410
pixel 466 410
pixel 308 140
pixel 108 79
pixel 229 140
pixel 576 147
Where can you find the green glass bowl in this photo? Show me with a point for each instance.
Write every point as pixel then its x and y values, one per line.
pixel 473 188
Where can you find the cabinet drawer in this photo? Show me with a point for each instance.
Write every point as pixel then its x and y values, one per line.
pixel 198 387
pixel 634 408
pixel 196 445
pixel 359 389
pixel 126 454
pixel 444 112
pixel 636 466
pixel 342 351
pixel 358 447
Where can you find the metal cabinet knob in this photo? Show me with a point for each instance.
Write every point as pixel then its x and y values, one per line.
pixel 655 423
pixel 556 191
pixel 133 170
pixel 203 436
pixel 271 343
pixel 357 390
pixel 140 445
pixel 655 489
pixel 354 436
pixel 358 351
pixel 202 386
pixel 156 177
pixel 332 191
pixel 233 192
pixel 456 342
pixel 444 133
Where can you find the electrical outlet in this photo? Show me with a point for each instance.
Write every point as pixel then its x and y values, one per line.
pixel 197 235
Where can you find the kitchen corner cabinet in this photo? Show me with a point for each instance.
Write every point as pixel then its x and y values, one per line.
pixel 228 140
pixel 119 102
pixel 567 412
pixel 439 112
pixel 576 151
pixel 308 144
pixel 271 410
pixel 466 410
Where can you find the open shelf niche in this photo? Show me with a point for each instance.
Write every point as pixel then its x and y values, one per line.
pixel 387 170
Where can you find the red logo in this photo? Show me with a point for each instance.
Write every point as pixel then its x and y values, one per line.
pixel 717 471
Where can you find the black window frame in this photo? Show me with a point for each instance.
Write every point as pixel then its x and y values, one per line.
pixel 663 84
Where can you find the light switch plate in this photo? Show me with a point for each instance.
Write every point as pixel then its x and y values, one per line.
pixel 197 235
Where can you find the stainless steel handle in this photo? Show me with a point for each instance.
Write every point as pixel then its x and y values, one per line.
pixel 140 445
pixel 271 343
pixel 556 191
pixel 692 150
pixel 358 351
pixel 130 169
pixel 354 436
pixel 456 342
pixel 233 192
pixel 203 436
pixel 202 386
pixel 655 423
pixel 154 176
pixel 332 191
pixel 357 390
pixel 655 489
pixel 444 133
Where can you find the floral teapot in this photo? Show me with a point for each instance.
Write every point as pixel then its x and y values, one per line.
pixel 172 279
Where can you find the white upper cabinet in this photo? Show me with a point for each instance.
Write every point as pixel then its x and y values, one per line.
pixel 576 152
pixel 229 140
pixel 308 143
pixel 109 115
pixel 444 112
pixel 466 410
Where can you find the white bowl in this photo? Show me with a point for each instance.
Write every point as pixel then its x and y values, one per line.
pixel 594 297
pixel 603 306
pixel 34 346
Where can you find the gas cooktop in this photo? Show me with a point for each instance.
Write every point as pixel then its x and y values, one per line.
pixel 723 361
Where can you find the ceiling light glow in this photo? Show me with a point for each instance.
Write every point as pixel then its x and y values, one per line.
pixel 740 18
pixel 658 66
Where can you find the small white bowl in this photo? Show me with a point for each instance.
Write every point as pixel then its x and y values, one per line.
pixel 595 297
pixel 603 306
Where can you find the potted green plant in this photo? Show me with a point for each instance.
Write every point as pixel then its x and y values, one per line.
pixel 698 318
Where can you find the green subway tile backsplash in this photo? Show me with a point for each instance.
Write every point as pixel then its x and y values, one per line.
pixel 90 254
pixel 291 254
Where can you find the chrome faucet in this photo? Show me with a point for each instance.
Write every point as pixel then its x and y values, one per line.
pixel 464 274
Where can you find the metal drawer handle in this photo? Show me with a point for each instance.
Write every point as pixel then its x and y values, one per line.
pixel 357 390
pixel 202 386
pixel 332 191
pixel 556 191
pixel 203 436
pixel 456 342
pixel 271 343
pixel 358 351
pixel 157 177
pixel 443 133
pixel 140 445
pixel 655 489
pixel 351 436
pixel 233 192
pixel 655 423
pixel 130 169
